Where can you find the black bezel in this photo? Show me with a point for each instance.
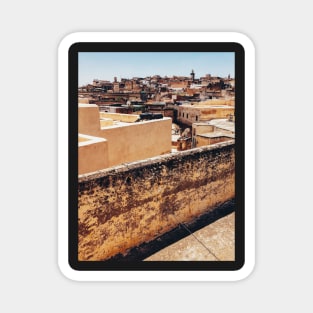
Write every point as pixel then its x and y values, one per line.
pixel 239 155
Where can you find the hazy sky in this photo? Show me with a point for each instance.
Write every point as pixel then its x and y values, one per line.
pixel 107 65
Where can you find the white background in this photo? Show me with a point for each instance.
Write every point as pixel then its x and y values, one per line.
pixel 30 278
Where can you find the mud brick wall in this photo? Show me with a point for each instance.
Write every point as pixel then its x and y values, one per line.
pixel 124 206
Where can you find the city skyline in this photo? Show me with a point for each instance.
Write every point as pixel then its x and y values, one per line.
pixel 107 65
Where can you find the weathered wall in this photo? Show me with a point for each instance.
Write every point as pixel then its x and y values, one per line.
pixel 201 128
pixel 122 207
pixel 188 114
pixel 204 141
pixel 230 102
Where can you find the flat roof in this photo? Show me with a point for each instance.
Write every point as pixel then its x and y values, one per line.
pixel 201 124
pixel 156 103
pixel 208 106
pixel 87 105
pixel 216 135
pixel 125 124
pixel 223 123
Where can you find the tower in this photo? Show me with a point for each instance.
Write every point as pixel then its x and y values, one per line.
pixel 192 74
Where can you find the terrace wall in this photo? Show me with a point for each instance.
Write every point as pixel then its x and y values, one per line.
pixel 124 206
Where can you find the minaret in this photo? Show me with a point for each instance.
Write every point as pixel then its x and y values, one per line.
pixel 192 74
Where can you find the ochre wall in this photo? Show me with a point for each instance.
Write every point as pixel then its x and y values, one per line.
pixel 127 143
pixel 198 128
pixel 83 100
pixel 88 119
pixel 92 154
pixel 138 141
pixel 106 122
pixel 230 102
pixel 204 113
pixel 122 207
pixel 215 113
pixel 204 141
pixel 129 118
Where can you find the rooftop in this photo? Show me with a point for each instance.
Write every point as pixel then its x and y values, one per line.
pixel 215 106
pixel 118 123
pixel 214 242
pixel 223 124
pixel 215 135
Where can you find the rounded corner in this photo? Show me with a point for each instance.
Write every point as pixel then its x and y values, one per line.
pixel 244 40
pixel 67 271
pixel 68 41
pixel 245 271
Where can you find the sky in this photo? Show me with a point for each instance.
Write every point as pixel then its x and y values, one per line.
pixel 107 65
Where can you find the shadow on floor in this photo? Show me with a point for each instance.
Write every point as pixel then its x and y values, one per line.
pixel 145 250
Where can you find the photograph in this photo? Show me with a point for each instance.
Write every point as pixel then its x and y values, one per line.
pixel 156 156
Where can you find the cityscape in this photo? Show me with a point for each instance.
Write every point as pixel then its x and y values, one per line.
pixel 156 153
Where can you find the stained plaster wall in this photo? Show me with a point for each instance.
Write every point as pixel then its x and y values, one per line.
pixel 204 141
pixel 124 206
pixel 189 114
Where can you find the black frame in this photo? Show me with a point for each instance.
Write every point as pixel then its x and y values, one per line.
pixel 239 156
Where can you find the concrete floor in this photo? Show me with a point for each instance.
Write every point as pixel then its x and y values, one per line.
pixel 214 242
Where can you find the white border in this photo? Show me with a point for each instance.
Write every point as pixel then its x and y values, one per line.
pixel 248 46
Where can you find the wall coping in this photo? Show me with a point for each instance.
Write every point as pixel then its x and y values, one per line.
pixel 119 124
pixel 89 140
pixel 124 167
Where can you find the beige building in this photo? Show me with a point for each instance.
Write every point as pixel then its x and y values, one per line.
pixel 109 139
pixel 205 111
pixel 210 139
pixel 92 154
pixel 214 131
